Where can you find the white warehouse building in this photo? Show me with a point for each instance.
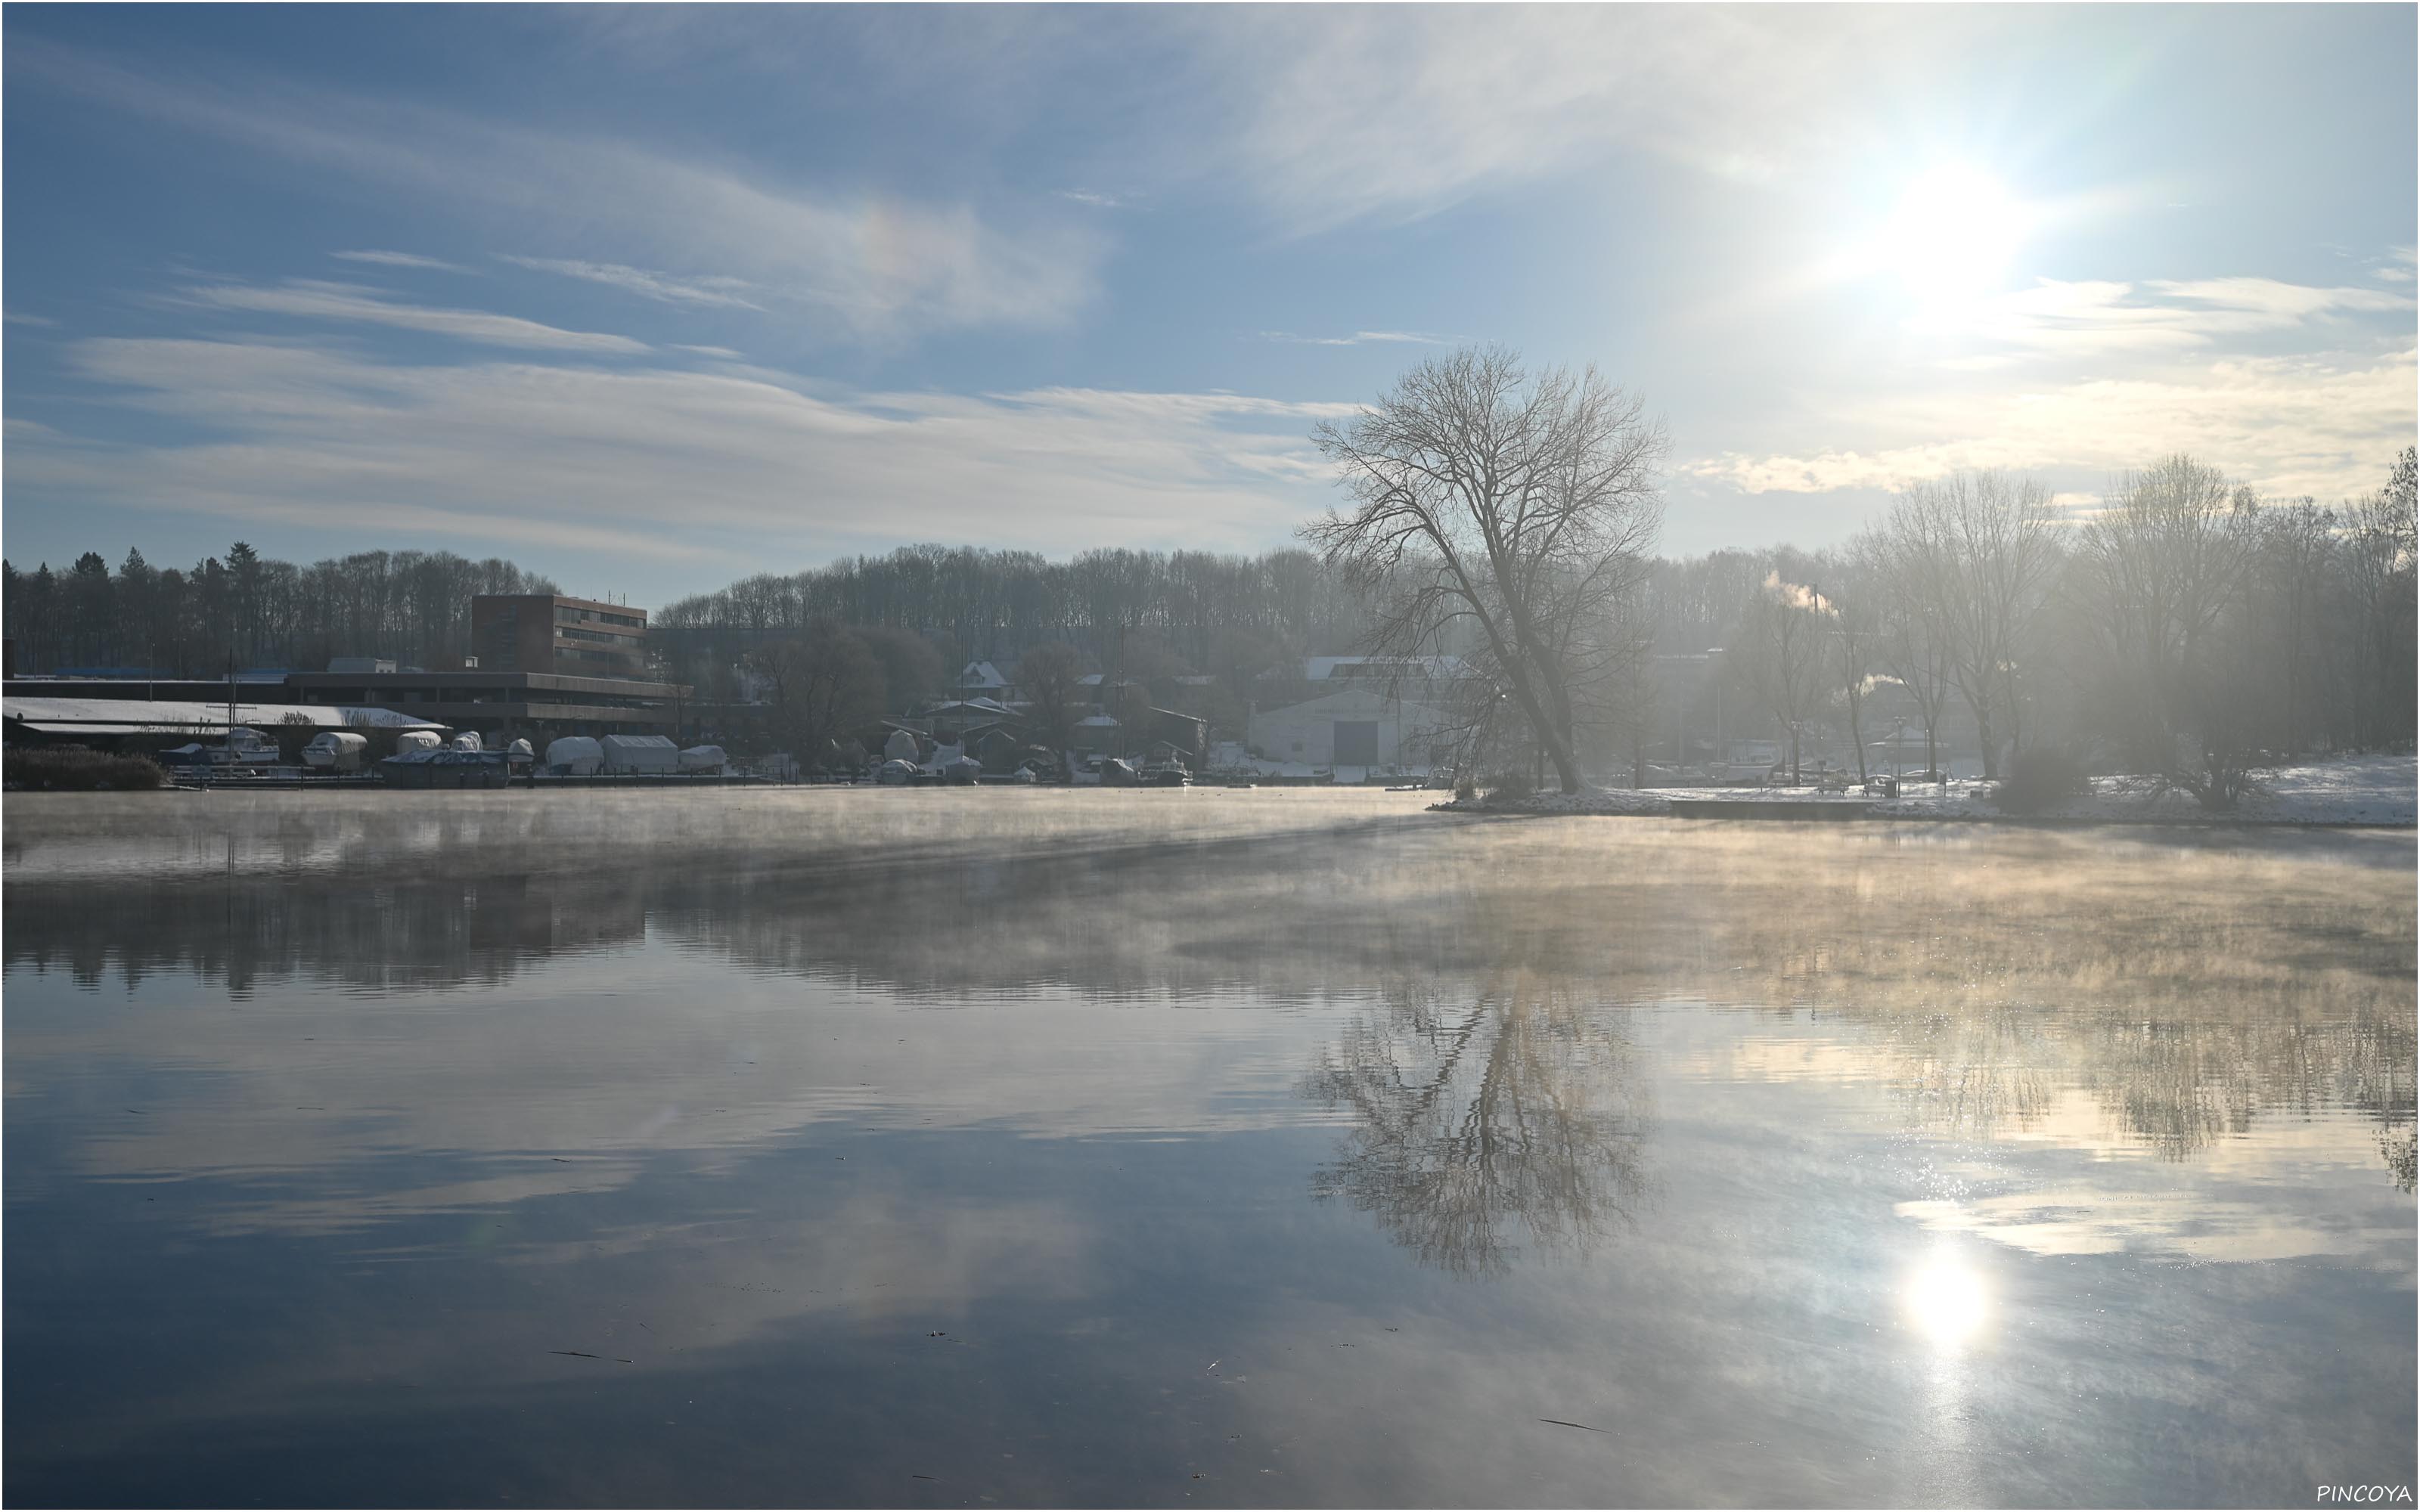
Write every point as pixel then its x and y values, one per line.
pixel 1352 727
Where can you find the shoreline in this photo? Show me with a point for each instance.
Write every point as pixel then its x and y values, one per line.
pixel 2179 821
pixel 2359 792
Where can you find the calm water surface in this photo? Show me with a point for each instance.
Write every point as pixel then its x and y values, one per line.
pixel 1279 1148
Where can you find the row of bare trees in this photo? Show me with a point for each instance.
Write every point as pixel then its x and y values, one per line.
pixel 2185 629
pixel 1204 609
pixel 251 609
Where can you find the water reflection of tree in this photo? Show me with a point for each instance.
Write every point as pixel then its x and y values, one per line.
pixel 1482 1120
pixel 1972 1074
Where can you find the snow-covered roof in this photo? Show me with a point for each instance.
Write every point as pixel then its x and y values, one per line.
pixel 1098 721
pixel 989 707
pixel 982 674
pixel 1318 669
pixel 131 716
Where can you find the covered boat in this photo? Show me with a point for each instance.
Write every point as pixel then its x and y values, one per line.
pixel 335 750
pixel 446 769
pixel 704 759
pixel 574 756
pixel 417 740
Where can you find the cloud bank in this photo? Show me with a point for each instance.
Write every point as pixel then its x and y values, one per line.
pixel 730 463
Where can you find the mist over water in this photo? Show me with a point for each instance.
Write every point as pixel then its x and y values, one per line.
pixel 896 1147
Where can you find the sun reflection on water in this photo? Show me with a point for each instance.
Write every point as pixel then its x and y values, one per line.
pixel 1945 1301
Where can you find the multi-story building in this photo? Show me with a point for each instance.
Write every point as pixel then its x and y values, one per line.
pixel 545 666
pixel 564 637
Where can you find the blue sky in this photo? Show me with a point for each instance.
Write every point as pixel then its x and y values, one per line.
pixel 648 299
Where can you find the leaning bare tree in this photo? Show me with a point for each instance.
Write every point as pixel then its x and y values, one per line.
pixel 1488 501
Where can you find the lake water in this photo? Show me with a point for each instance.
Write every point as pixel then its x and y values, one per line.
pixel 1233 1148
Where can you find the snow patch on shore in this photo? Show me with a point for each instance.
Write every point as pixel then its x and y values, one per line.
pixel 2361 790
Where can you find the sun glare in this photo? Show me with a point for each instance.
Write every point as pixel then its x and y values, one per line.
pixel 1953 235
pixel 1946 1301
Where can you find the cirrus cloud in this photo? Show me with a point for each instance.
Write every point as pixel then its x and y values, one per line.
pixel 727 461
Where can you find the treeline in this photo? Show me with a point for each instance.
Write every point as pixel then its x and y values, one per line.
pixel 2186 628
pixel 414 605
pixel 1211 610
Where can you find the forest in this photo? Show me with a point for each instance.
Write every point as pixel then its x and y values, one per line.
pixel 250 611
pixel 2186 625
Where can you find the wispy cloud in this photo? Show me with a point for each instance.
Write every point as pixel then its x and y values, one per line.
pixel 1329 115
pixel 520 450
pixel 2104 317
pixel 313 299
pixel 1093 197
pixel 2288 425
pixel 402 259
pixel 723 292
pixel 1359 339
pixel 18 317
pixel 868 267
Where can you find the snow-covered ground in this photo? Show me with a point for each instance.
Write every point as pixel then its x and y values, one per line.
pixel 2362 790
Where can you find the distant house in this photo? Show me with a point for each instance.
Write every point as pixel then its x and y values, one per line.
pixel 981 679
pixel 1095 734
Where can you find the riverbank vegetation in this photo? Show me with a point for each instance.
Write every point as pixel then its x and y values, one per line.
pixel 74 769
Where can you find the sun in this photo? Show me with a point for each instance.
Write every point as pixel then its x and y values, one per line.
pixel 1953 235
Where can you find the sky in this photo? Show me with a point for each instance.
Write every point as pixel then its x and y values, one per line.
pixel 651 298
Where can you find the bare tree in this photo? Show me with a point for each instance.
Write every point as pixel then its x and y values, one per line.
pixel 2381 543
pixel 2163 570
pixel 1854 644
pixel 823 685
pixel 1782 649
pixel 1484 499
pixel 1048 674
pixel 1978 545
pixel 1913 631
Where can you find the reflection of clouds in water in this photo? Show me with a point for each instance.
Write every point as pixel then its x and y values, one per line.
pixel 1481 1120
pixel 330 1116
pixel 2192 986
pixel 2195 1225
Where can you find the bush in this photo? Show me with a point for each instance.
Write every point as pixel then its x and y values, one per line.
pixel 1465 790
pixel 75 769
pixel 2042 776
pixel 1509 786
